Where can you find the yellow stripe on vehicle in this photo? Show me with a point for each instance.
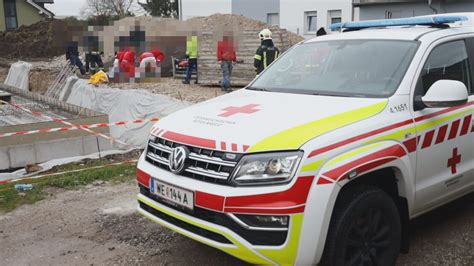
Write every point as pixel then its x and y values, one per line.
pixel 312 166
pixel 295 137
pixel 400 135
pixel 287 255
pixel 240 251
pixel 353 153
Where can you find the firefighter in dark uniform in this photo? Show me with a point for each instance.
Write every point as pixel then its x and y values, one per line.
pixel 93 55
pixel 266 53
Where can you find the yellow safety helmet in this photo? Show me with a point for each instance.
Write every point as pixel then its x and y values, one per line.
pixel 265 34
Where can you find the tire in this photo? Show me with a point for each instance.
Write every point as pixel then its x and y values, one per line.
pixel 365 229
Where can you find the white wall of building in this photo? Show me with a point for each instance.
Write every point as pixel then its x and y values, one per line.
pixel 292 14
pixel 198 8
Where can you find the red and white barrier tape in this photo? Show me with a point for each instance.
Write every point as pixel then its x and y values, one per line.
pixel 76 127
pixel 65 122
pixel 65 172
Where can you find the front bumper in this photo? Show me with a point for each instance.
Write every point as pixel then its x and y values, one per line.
pixel 210 228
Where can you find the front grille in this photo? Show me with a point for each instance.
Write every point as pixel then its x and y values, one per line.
pixel 255 237
pixel 202 164
pixel 186 226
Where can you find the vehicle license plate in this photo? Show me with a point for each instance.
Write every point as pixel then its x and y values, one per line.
pixel 172 194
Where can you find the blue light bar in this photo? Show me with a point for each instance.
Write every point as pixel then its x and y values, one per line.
pixel 426 20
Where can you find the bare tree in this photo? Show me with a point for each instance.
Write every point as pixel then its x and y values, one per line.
pixel 119 8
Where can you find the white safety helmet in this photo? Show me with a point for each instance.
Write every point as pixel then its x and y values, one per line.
pixel 265 34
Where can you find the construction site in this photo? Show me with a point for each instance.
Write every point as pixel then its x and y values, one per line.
pixel 56 127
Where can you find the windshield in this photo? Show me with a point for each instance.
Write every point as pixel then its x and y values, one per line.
pixel 355 68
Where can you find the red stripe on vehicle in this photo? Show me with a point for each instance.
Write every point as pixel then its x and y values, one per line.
pixel 223 146
pixel 234 147
pixel 454 129
pixel 246 147
pixel 209 201
pixel 296 195
pixel 384 129
pixel 424 117
pixel 298 209
pixel 428 139
pixel 360 137
pixel 411 144
pixel 143 178
pixel 395 151
pixel 323 181
pixel 372 165
pixel 190 140
pixel 441 134
pixel 466 124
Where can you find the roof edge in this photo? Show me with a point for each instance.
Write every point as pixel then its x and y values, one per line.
pixel 43 10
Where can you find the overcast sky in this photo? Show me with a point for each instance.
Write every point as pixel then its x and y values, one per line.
pixel 67 7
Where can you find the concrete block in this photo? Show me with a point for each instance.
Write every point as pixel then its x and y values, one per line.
pixel 22 155
pixel 4 158
pixel 90 144
pixel 46 151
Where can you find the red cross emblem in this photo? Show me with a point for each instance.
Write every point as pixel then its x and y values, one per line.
pixel 246 109
pixel 454 161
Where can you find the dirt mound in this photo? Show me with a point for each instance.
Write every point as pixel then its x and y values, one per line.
pixel 33 41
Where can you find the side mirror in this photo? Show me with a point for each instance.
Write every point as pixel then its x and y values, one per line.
pixel 446 93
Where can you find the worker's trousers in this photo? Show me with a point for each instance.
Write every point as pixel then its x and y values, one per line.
pixel 226 67
pixel 192 65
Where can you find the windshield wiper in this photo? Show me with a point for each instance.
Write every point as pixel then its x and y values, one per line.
pixel 257 89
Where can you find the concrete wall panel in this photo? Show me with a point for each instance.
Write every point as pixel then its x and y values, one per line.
pixel 21 155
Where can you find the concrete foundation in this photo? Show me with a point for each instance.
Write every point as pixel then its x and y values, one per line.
pixel 19 150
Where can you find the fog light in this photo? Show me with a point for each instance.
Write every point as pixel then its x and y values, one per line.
pixel 267 221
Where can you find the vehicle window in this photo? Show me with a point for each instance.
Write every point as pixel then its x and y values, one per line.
pixel 447 61
pixel 353 68
pixel 470 51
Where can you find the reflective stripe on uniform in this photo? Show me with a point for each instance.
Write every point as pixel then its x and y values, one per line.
pixel 264 59
pixel 276 54
pixel 258 57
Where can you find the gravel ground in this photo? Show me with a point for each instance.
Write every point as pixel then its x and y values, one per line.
pixel 98 225
pixel 174 88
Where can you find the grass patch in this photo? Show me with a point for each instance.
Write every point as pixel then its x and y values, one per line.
pixel 11 198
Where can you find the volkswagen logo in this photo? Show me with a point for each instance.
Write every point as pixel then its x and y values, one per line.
pixel 177 159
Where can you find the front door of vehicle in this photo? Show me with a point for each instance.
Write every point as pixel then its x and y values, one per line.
pixel 445 147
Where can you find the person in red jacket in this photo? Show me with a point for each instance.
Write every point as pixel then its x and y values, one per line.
pixel 157 54
pixel 227 57
pixel 127 63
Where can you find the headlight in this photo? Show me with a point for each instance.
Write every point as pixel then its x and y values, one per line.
pixel 270 168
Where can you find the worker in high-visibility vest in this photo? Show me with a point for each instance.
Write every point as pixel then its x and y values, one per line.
pixel 266 53
pixel 192 55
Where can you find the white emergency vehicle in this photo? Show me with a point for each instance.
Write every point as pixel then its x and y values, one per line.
pixel 327 155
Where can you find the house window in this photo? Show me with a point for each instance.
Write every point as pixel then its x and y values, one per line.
pixel 10 14
pixel 273 18
pixel 334 16
pixel 311 25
